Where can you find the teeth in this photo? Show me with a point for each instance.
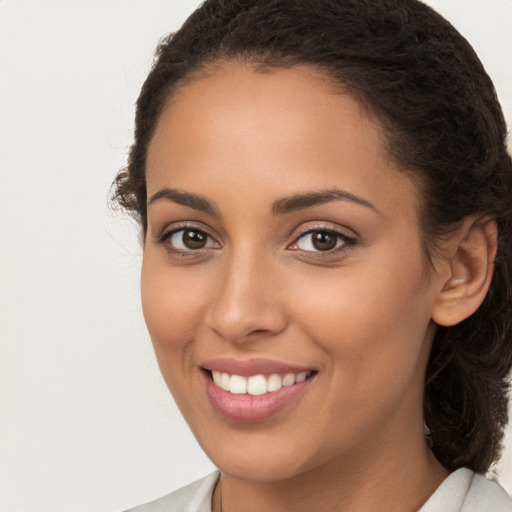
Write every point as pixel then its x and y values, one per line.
pixel 256 384
pixel 217 378
pixel 224 381
pixel 238 385
pixel 301 376
pixel 274 382
pixel 289 379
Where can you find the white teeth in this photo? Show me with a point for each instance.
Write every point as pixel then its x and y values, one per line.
pixel 301 376
pixel 238 385
pixel 217 378
pixel 224 381
pixel 256 384
pixel 274 382
pixel 289 379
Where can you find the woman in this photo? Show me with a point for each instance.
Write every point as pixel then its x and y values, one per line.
pixel 325 197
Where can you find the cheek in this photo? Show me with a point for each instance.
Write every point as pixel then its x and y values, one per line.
pixel 172 302
pixel 372 324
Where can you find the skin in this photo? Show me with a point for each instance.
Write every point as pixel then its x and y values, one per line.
pixel 360 315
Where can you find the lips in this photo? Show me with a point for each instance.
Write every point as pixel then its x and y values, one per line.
pixel 253 390
pixel 251 366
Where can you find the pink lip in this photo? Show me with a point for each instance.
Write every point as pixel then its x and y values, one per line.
pixel 249 408
pixel 257 366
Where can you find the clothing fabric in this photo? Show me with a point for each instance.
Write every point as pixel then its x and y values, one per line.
pixel 462 491
pixel 195 497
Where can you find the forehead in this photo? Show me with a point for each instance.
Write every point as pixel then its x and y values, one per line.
pixel 290 125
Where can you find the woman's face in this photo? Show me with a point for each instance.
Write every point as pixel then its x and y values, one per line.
pixel 282 241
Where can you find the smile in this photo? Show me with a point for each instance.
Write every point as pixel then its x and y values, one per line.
pixel 256 384
pixel 254 390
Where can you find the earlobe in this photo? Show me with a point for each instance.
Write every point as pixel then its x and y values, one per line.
pixel 470 269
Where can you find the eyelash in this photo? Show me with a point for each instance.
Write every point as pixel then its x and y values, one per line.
pixel 164 239
pixel 343 241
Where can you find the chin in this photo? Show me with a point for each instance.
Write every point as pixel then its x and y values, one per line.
pixel 265 470
pixel 259 461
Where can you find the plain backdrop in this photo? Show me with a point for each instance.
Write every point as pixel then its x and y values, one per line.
pixel 86 423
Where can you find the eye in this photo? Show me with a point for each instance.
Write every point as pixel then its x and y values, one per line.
pixel 321 241
pixel 188 239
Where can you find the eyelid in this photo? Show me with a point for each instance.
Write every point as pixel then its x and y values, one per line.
pixel 173 227
pixel 170 230
pixel 163 237
pixel 348 240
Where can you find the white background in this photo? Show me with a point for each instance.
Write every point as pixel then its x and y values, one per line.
pixel 86 423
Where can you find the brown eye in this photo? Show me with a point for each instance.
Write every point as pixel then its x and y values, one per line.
pixel 190 240
pixel 194 239
pixel 322 241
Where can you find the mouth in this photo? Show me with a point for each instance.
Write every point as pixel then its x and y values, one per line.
pixel 256 385
pixel 256 390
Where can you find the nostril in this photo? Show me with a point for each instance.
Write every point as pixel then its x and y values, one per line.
pixel 259 331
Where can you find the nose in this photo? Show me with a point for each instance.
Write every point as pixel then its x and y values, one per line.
pixel 246 306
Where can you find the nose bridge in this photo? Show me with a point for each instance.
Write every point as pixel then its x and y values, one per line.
pixel 246 304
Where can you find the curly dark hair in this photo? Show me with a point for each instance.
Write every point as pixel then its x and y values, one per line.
pixel 424 84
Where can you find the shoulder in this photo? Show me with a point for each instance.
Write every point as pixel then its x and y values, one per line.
pixel 195 497
pixel 485 495
pixel 466 491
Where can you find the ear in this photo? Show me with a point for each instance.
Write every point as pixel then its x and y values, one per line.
pixel 468 267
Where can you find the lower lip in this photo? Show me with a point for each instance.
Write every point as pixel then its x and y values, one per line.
pixel 250 408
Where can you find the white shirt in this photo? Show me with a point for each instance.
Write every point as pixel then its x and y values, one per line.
pixel 462 491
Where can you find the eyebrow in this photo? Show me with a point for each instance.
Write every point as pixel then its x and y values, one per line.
pixel 310 199
pixel 281 206
pixel 194 201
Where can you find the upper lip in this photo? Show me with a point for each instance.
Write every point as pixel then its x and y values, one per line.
pixel 248 367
